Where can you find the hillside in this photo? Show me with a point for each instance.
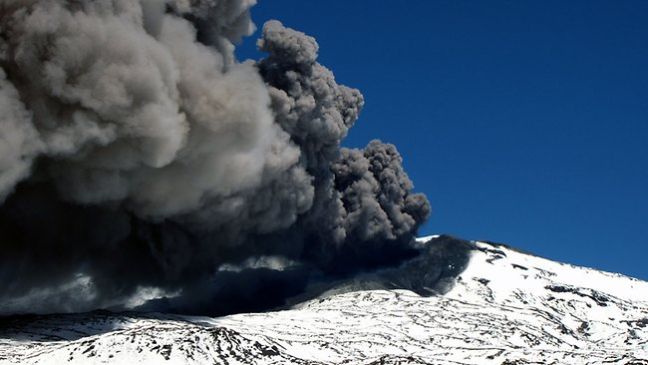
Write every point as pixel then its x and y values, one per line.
pixel 459 303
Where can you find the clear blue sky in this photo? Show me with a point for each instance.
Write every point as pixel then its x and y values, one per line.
pixel 524 122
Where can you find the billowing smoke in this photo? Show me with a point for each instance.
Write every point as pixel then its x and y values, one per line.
pixel 139 159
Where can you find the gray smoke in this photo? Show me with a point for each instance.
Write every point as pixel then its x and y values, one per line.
pixel 139 159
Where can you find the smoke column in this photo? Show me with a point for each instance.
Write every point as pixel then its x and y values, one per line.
pixel 140 160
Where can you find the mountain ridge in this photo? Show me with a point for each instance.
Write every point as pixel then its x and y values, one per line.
pixel 503 307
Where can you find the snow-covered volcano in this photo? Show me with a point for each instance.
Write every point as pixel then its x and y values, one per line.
pixel 458 303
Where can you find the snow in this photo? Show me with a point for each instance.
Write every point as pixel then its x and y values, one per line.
pixel 424 239
pixel 506 307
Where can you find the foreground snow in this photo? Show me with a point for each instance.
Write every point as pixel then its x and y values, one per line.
pixel 503 307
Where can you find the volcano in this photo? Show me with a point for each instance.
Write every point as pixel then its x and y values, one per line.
pixel 458 302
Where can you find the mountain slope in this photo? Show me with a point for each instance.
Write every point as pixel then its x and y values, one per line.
pixel 459 303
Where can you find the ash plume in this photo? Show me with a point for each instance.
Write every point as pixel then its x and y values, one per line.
pixel 140 160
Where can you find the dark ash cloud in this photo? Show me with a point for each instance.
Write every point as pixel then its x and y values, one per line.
pixel 139 159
